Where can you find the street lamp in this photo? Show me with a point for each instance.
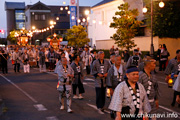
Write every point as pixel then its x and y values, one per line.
pixel 161 5
pixel 87 12
pixel 33 27
pixel 79 20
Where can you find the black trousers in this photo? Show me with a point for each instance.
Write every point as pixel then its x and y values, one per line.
pixel 162 65
pixel 79 86
pixel 174 98
pixel 88 70
pixel 4 68
pixel 16 67
pixel 100 97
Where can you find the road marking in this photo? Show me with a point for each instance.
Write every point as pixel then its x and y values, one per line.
pixel 40 107
pixel 93 106
pixel 169 110
pixel 89 79
pixel 162 83
pixel 52 118
pixel 25 93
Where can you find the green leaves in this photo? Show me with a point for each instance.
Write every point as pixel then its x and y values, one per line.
pixel 126 26
pixel 77 36
pixel 166 21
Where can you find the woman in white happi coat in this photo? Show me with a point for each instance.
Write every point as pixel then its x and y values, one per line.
pixel 65 75
pixel 130 97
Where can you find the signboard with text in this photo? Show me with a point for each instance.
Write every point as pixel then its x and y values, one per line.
pixel 73 11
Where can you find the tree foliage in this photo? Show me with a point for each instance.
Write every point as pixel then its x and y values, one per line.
pixel 166 20
pixel 126 25
pixel 77 36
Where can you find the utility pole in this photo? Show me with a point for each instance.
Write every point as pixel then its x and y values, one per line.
pixel 77 11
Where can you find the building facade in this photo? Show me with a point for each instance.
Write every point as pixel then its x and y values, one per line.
pixel 101 17
pixel 39 15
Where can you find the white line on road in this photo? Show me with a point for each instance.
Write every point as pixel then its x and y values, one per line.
pixel 93 106
pixel 40 107
pixel 169 110
pixel 25 93
pixel 52 118
pixel 162 83
pixel 89 79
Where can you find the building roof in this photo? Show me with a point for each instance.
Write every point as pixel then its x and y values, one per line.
pixel 14 5
pixel 102 2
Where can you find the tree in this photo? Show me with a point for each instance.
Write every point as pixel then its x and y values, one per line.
pixel 77 36
pixel 126 25
pixel 166 20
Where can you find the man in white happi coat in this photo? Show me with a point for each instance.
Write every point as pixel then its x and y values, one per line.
pixel 130 98
pixel 65 75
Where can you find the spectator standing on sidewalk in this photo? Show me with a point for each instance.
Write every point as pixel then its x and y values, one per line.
pixel 159 54
pixel 163 58
pixel 4 58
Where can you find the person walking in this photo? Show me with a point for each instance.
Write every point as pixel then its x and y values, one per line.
pixel 65 75
pixel 100 71
pixel 173 67
pixel 42 58
pixel 130 98
pixel 78 77
pixel 16 59
pixel 25 60
pixel 150 84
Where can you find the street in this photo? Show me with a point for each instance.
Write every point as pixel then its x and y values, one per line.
pixel 34 97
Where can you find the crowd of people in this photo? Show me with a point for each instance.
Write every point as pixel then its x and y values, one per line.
pixel 130 82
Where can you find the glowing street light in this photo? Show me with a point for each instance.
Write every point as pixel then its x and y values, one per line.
pixel 84 20
pixel 94 21
pixel 51 22
pixel 161 4
pixel 72 17
pixel 66 8
pixel 69 12
pixel 33 27
pixel 61 8
pixel 64 3
pixel 79 20
pixel 57 18
pixel 88 18
pixel 87 12
pixel 100 22
pixel 144 10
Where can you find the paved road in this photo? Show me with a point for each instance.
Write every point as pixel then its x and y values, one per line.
pixel 34 97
